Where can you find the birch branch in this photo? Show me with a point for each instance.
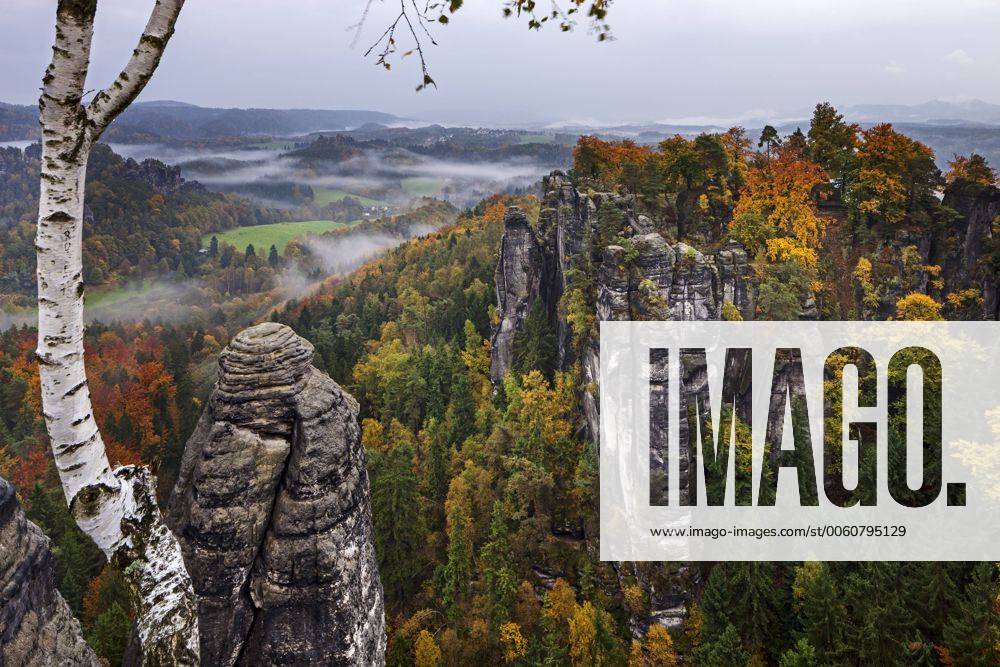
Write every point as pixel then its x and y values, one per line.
pixel 110 102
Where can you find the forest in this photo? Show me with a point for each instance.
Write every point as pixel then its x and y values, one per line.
pixel 484 495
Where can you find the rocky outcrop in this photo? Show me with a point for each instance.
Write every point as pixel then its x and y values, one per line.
pixel 642 275
pixel 272 511
pixel 36 625
pixel 645 278
pixel 520 272
pixel 694 293
pixel 979 210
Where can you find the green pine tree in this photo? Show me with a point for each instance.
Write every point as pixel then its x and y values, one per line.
pixel 535 347
pixel 726 650
pixel 499 579
pixel 396 520
pixel 821 611
pixel 438 461
pixel 972 634
pixel 934 596
pixel 883 626
pixel 458 570
pixel 72 571
pixel 461 414
pixel 717 603
pixel 109 636
pixel 758 606
pixel 802 655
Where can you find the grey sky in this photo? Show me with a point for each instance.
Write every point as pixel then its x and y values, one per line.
pixel 671 59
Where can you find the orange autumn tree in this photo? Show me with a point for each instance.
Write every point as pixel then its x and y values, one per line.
pixel 610 163
pixel 973 169
pixel 776 217
pixel 135 393
pixel 893 173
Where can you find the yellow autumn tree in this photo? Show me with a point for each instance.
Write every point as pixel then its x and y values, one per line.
pixel 583 636
pixel 425 650
pixel 893 170
pixel 972 169
pixel 373 435
pixel 636 658
pixel 660 647
pixel 917 306
pixel 514 644
pixel 560 602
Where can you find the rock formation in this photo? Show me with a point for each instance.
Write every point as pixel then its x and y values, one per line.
pixel 272 511
pixel 36 625
pixel 519 275
pixel 652 279
pixel 641 276
pixel 979 210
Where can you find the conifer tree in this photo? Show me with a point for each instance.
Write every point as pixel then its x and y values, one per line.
pixel 972 635
pixel 821 611
pixel 770 139
pixel 935 595
pixel 535 346
pixel 498 578
pixel 757 606
pixel 660 647
pixel 831 140
pixel 396 519
pixel 726 650
pixel 110 634
pixel 458 570
pixel 438 461
pixel 716 604
pixel 801 655
pixel 461 415
pixel 882 627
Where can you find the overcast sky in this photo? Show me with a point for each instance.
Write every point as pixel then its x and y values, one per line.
pixel 671 59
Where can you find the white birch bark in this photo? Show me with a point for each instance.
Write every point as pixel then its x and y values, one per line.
pixel 115 507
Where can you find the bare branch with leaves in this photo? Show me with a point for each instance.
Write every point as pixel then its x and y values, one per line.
pixel 413 23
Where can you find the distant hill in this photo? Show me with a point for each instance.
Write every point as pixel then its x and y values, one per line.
pixel 935 112
pixel 152 121
pixel 18 122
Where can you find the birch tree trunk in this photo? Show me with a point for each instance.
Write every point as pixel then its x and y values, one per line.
pixel 115 507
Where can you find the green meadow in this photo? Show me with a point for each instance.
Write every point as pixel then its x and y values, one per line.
pixel 324 196
pixel 277 234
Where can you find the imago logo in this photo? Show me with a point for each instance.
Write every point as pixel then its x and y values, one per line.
pixel 800 440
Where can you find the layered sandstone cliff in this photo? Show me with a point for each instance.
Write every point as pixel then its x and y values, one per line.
pixel 272 511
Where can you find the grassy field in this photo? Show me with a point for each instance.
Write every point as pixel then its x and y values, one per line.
pixel 419 186
pixel 278 234
pixel 112 296
pixel 324 196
